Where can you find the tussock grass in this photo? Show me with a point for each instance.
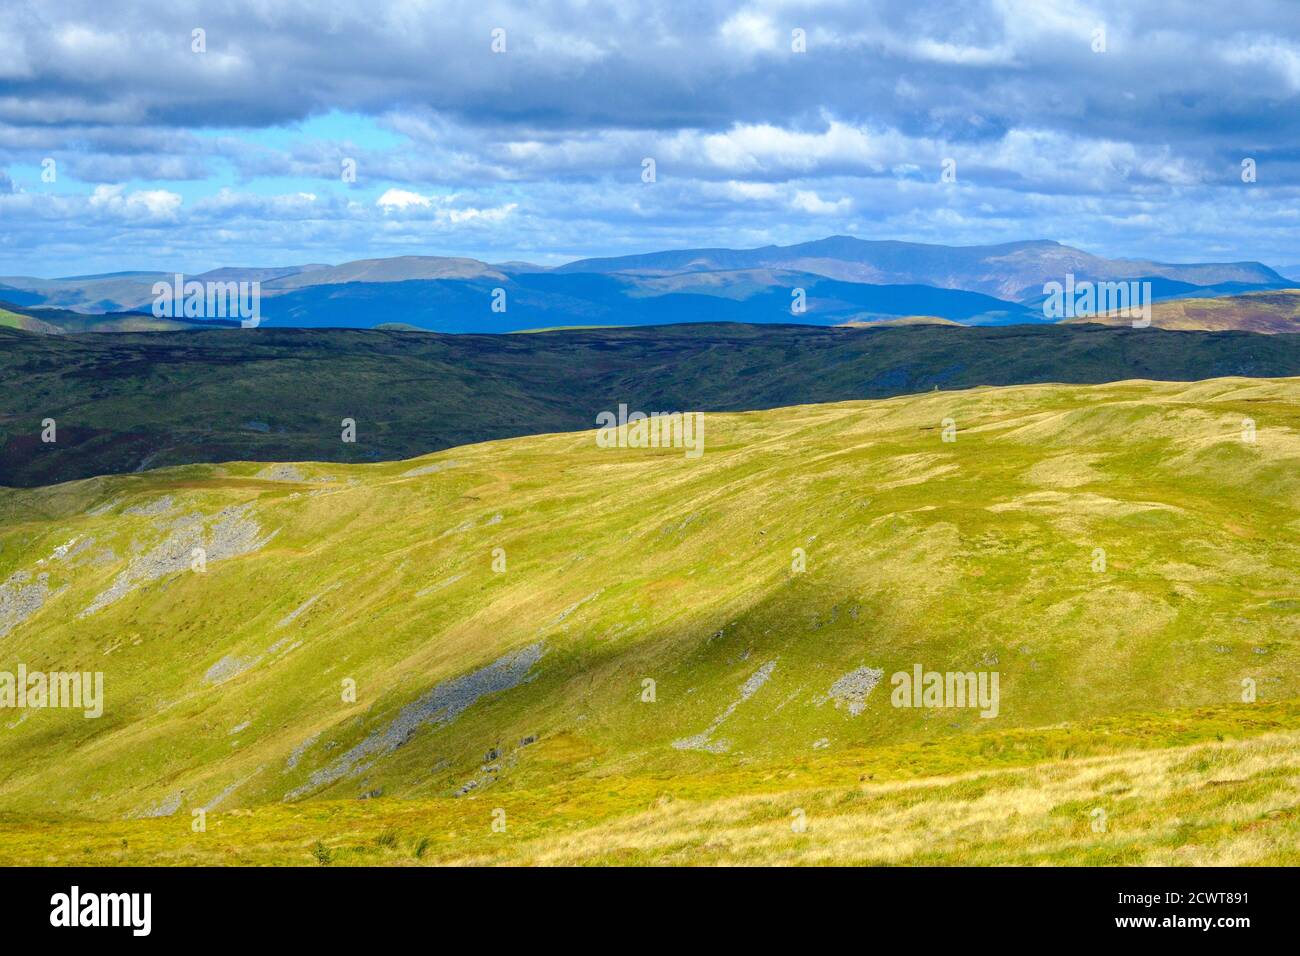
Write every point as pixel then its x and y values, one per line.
pixel 1120 689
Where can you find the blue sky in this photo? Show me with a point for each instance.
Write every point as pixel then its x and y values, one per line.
pixel 1117 127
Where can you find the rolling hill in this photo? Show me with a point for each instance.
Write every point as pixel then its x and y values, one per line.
pixel 548 299
pixel 119 291
pixel 129 402
pixel 11 319
pixel 1267 312
pixel 111 292
pixel 50 321
pixel 500 608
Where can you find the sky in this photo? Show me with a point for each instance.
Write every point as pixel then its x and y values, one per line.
pixel 284 133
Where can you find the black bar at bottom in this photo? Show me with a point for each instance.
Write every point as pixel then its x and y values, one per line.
pixel 334 905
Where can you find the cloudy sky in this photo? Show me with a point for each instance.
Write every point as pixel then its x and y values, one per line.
pixel 122 146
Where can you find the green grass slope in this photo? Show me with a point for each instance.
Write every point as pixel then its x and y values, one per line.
pixel 25 323
pixel 225 689
pixel 1201 787
pixel 130 402
pixel 1264 312
pixel 51 321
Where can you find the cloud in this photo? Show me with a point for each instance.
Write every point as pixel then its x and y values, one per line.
pixel 402 199
pixel 470 214
pixel 1279 57
pixel 230 204
pixel 744 191
pixel 750 31
pixel 142 204
pixel 403 202
pixel 537 152
pixel 806 200
pixel 960 54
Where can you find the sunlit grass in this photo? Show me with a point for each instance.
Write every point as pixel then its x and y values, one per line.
pixel 1121 687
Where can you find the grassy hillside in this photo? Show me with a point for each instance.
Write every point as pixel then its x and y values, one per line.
pixel 1223 794
pixel 124 403
pixel 51 321
pixel 868 322
pixel 522 689
pixel 17 320
pixel 1267 312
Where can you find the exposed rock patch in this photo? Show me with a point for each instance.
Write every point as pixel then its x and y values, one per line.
pixel 704 741
pixel 445 582
pixel 228 667
pixel 159 506
pixel 429 469
pixel 225 794
pixel 563 615
pixel 281 473
pixel 304 607
pixel 231 534
pixel 854 687
pixel 163 808
pixel 441 705
pixel 21 596
pixel 299 750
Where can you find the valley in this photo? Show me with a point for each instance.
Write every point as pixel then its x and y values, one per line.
pixel 125 403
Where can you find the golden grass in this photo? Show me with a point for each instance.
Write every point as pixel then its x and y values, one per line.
pixel 1227 803
pixel 634 564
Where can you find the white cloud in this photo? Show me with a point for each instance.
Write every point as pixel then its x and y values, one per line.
pixel 1027 21
pixel 441 208
pixel 766 148
pixel 142 204
pixel 228 203
pixel 494 214
pixel 750 30
pixel 1281 57
pixel 807 200
pixel 402 199
pixel 939 52
pixel 736 189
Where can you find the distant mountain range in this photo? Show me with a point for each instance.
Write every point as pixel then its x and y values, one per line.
pixel 843 280
pixel 1013 271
